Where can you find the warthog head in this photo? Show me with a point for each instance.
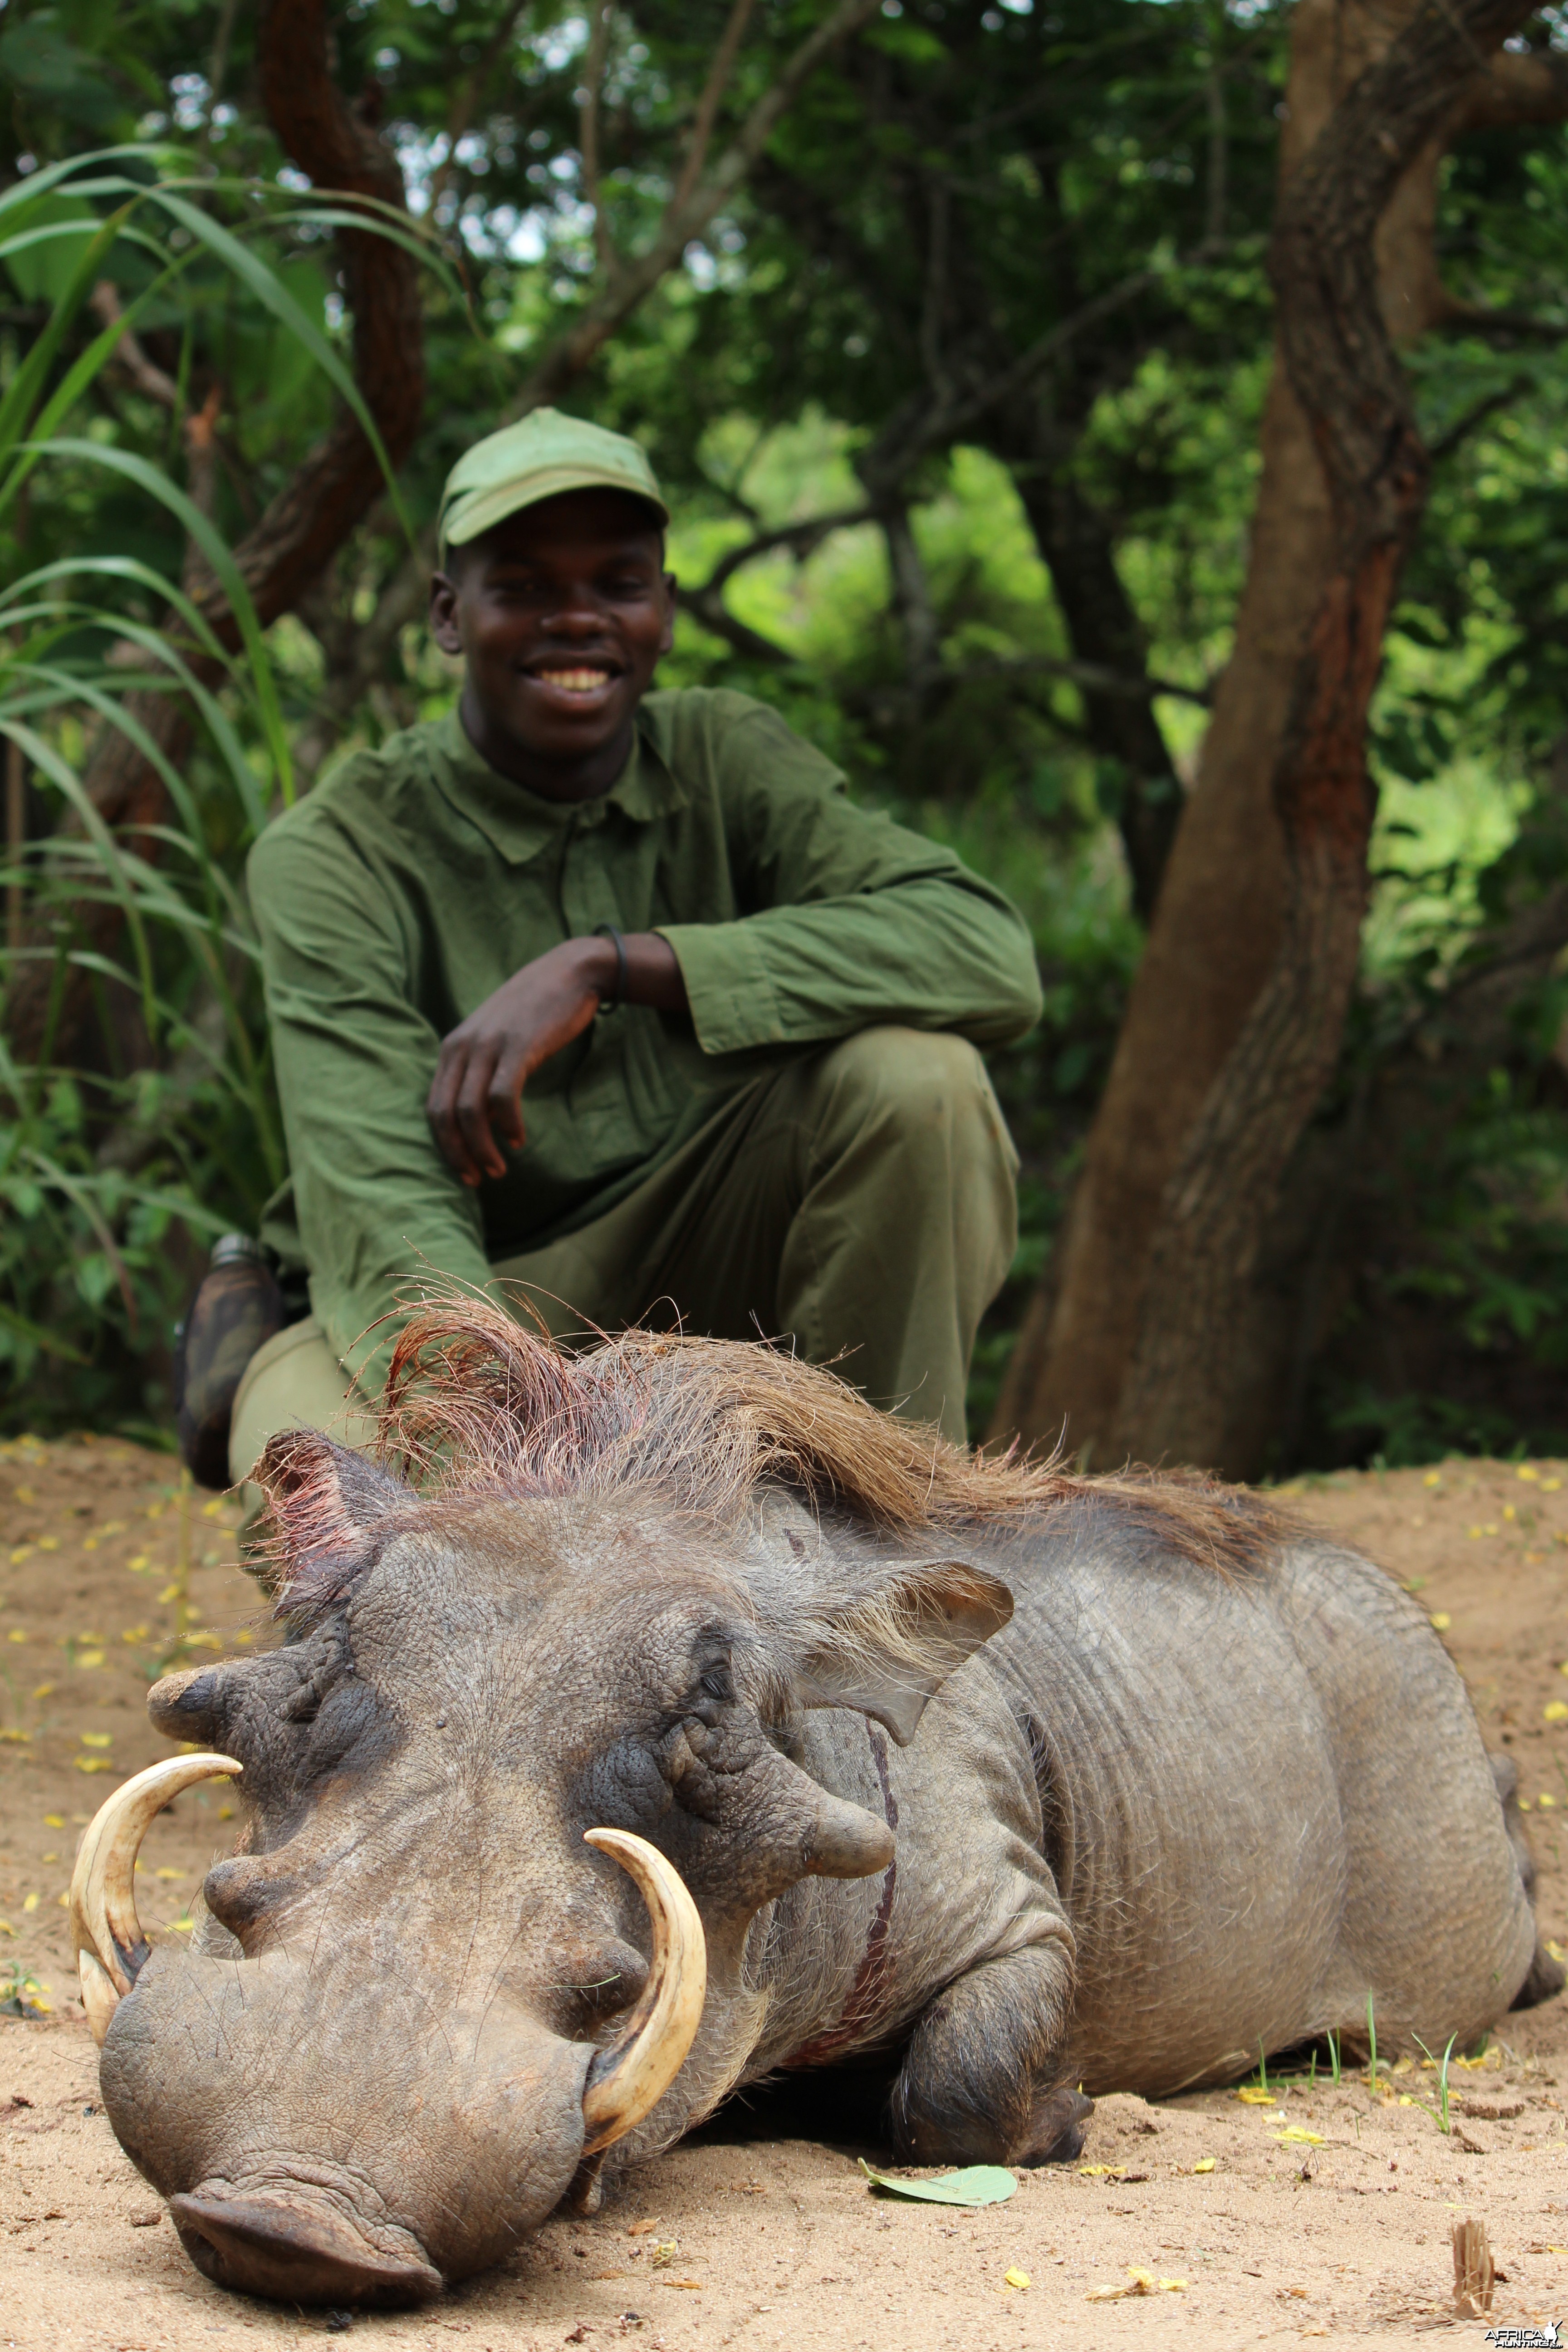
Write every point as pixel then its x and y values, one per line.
pixel 423 2001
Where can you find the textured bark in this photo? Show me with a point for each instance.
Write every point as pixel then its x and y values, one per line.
pixel 1347 377
pixel 1218 929
pixel 305 524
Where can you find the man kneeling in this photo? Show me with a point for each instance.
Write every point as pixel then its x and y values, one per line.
pixel 614 998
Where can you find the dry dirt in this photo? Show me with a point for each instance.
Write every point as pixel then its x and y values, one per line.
pixel 1325 2215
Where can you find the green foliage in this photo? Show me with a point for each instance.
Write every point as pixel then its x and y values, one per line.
pixel 114 1177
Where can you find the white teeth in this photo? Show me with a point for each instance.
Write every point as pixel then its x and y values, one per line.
pixel 576 681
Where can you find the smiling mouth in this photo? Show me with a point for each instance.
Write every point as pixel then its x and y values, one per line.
pixel 576 680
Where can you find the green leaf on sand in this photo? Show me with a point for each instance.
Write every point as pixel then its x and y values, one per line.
pixel 978 2184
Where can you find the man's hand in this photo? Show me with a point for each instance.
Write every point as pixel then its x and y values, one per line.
pixel 475 1105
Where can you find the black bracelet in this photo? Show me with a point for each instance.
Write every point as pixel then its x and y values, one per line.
pixel 608 931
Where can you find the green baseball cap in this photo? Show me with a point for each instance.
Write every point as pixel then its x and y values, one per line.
pixel 537 458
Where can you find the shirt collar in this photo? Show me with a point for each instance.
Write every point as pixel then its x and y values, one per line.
pixel 517 823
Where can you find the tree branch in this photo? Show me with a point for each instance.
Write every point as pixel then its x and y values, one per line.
pixel 588 138
pixel 583 341
pixel 711 612
pixel 708 104
pixel 465 103
pixel 1480 318
pixel 1516 88
pixel 805 538
pixel 1094 675
pixel 149 378
pixel 1461 429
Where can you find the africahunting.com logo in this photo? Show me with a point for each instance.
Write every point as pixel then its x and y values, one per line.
pixel 1527 2339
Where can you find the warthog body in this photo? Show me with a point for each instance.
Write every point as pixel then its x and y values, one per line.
pixel 1211 1785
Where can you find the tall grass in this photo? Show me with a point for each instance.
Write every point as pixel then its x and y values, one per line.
pixel 116 1170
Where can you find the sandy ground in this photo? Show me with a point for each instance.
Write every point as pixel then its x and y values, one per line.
pixel 1325 2214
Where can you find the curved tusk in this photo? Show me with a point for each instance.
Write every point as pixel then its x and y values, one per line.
pixel 633 2075
pixel 105 1930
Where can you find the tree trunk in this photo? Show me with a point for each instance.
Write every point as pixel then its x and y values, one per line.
pixel 1178 1396
pixel 1103 627
pixel 1220 923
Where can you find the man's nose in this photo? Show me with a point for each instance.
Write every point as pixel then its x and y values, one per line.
pixel 579 615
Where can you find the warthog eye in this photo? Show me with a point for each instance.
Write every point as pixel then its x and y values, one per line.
pixel 717 1683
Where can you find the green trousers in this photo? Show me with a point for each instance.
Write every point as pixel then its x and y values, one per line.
pixel 858 1201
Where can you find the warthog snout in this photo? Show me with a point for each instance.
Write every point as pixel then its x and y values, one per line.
pixel 296 2246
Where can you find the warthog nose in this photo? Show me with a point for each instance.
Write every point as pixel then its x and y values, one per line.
pixel 297 2248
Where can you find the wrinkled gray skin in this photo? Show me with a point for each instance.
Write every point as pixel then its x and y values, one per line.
pixel 1153 1823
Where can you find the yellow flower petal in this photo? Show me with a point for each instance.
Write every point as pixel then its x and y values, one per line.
pixel 1433 1478
pixel 98 1739
pixel 1306 2138
pixel 1203 2164
pixel 54 1820
pixel 1555 1712
pixel 30 1902
pixel 1441 1621
pixel 93 1763
pixel 1016 2278
pixel 1251 2097
pixel 90 1658
pixel 1527 1473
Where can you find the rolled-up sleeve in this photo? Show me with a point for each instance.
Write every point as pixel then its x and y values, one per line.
pixel 375 1202
pixel 851 919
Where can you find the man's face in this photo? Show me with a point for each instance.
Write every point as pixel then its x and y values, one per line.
pixel 561 614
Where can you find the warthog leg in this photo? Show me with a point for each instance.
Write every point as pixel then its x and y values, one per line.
pixel 979 2083
pixel 1547 1976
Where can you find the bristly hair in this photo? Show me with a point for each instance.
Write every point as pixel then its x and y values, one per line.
pixel 478 1404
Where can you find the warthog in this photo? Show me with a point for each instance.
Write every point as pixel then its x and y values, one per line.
pixel 1029 1780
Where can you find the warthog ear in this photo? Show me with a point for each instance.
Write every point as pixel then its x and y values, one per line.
pixel 327 1510
pixel 887 1651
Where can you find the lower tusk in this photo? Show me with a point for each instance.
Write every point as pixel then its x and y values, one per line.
pixel 629 2078
pixel 105 1930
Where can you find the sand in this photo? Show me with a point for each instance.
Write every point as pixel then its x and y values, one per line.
pixel 1322 2216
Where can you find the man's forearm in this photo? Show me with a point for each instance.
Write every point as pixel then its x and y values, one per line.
pixel 654 976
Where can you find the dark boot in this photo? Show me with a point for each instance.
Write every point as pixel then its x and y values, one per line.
pixel 238 1307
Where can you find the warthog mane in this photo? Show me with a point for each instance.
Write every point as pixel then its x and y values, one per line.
pixel 477 1406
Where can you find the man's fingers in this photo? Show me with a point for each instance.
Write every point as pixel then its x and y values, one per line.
pixel 473 1108
pixel 441 1110
pixel 504 1096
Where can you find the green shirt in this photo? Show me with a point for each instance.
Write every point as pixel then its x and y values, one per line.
pixel 416 880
